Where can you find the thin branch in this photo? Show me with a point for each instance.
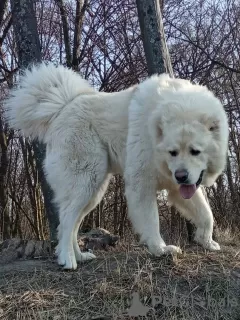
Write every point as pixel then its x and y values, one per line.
pixel 196 45
pixel 63 12
pixel 81 7
pixel 5 31
pixel 3 6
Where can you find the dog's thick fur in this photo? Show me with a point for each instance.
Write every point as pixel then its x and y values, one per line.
pixel 147 133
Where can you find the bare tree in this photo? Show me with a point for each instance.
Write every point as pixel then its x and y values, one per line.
pixel 27 39
pixel 5 134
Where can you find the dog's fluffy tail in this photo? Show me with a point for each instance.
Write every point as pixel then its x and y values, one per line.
pixel 44 91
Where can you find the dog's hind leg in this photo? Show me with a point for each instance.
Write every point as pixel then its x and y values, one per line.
pixel 92 204
pixel 198 211
pixel 76 197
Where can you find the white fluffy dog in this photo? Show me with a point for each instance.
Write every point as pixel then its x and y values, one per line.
pixel 162 134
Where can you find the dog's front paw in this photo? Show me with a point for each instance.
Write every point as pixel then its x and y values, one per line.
pixel 67 261
pixel 164 250
pixel 208 244
pixel 211 245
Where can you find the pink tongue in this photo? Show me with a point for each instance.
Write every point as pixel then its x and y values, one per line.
pixel 187 190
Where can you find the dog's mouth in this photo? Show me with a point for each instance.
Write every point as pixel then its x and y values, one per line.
pixel 188 190
pixel 200 179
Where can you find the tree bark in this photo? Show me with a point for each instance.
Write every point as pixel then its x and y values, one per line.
pixel 5 222
pixel 28 46
pixel 153 36
pixel 5 217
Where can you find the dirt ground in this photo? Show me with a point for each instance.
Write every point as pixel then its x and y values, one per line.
pixel 195 285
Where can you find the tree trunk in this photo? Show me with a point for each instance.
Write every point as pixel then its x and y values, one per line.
pixel 155 47
pixel 153 36
pixel 28 46
pixel 5 217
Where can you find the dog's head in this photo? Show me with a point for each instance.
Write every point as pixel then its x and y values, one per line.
pixel 190 138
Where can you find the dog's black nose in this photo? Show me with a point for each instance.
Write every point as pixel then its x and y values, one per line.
pixel 181 176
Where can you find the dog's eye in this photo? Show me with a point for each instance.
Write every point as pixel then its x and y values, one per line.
pixel 173 153
pixel 195 152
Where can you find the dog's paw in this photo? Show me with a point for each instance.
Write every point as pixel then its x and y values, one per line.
pixel 164 250
pixel 211 245
pixel 67 260
pixel 208 245
pixel 85 256
pixel 171 249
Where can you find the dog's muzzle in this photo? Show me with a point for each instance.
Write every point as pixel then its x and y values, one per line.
pixel 188 190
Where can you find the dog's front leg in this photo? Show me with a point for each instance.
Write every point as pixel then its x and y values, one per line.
pixel 199 212
pixel 143 212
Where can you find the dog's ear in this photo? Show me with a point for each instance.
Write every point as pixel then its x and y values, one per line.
pixel 214 125
pixel 211 123
pixel 156 130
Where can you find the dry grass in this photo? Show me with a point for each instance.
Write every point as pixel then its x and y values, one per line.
pixel 196 285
